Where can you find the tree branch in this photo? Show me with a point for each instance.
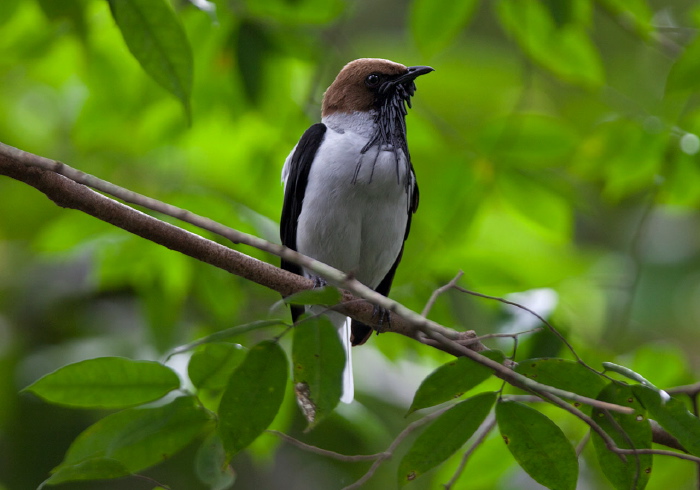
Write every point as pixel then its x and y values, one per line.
pixel 325 452
pixel 395 444
pixel 487 427
pixel 66 187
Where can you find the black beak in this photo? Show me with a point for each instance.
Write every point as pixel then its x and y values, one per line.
pixel 413 73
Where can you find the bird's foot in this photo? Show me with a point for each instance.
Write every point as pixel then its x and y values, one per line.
pixel 383 318
pixel 319 282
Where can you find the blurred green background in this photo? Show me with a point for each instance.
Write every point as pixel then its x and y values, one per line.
pixel 557 155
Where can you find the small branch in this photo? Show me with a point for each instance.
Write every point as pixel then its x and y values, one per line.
pixel 540 318
pixel 513 335
pixel 224 334
pixel 523 398
pixel 439 291
pixel 392 447
pixel 488 427
pixel 660 452
pixel 628 440
pixel 582 443
pixel 524 308
pixel 620 323
pixel 609 442
pixel 151 481
pixel 692 390
pixel 470 338
pixel 325 452
pixel 524 382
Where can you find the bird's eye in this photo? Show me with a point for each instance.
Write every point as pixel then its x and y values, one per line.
pixel 372 80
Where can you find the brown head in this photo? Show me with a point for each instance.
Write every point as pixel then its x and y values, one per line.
pixel 362 84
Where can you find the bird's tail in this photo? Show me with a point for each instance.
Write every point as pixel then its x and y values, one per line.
pixel 342 325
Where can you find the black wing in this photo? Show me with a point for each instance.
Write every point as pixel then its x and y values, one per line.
pixel 360 331
pixel 298 177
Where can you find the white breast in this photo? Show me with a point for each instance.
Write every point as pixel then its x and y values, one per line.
pixel 355 206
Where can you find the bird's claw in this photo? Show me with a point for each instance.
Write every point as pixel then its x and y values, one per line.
pixel 319 282
pixel 382 316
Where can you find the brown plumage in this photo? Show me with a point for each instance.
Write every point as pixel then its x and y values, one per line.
pixel 349 93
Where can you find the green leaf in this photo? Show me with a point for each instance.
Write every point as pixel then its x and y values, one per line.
pixel 253 50
pixel 327 295
pixel 528 139
pixel 296 12
pixel 565 375
pixel 624 154
pixel 253 396
pixel 444 436
pixel 156 38
pixel 435 23
pixel 106 382
pixel 211 366
pixel 565 50
pixel 8 9
pixel 452 380
pixel 685 72
pixel 543 210
pixel 72 11
pixel 90 469
pixel 635 14
pixel 135 438
pixel 634 474
pixel 570 11
pixel 673 416
pixel 318 358
pixel 211 465
pixel 538 445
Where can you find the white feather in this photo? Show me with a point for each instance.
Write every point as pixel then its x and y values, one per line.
pixel 348 382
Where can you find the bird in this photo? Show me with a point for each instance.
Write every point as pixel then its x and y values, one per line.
pixel 350 188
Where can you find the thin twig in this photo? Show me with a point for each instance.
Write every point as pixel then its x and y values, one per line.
pixel 325 452
pixel 609 442
pixel 224 334
pixel 523 398
pixel 539 317
pixel 618 428
pixel 659 434
pixel 619 325
pixel 582 443
pixel 439 291
pixel 392 447
pixel 691 390
pixel 524 308
pixel 151 481
pixel 660 452
pixel 505 335
pixel 521 381
pixel 378 458
pixel 488 427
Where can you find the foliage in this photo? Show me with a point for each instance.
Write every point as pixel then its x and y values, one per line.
pixel 556 146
